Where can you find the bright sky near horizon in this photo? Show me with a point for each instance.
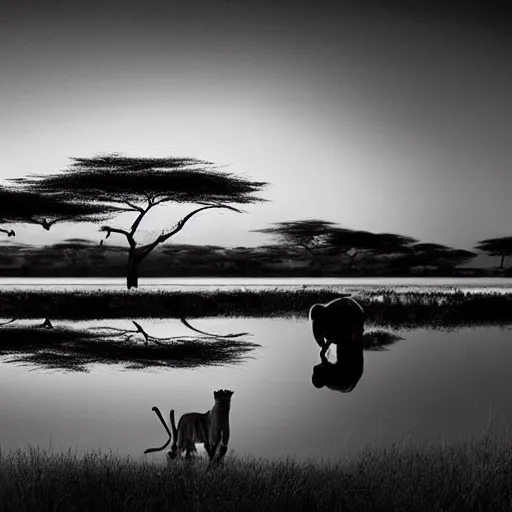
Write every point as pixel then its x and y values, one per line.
pixel 365 113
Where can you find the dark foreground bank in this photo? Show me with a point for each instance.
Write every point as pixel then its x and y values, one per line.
pixel 385 307
pixel 473 476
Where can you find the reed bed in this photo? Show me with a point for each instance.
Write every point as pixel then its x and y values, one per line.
pixel 385 307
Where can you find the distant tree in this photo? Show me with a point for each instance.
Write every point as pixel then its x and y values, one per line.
pixel 323 239
pixel 497 247
pixel 273 253
pixel 360 246
pixel 114 183
pixel 78 253
pixel 442 257
pixel 190 260
pixel 309 235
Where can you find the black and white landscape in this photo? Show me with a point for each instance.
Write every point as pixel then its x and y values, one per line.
pixel 180 182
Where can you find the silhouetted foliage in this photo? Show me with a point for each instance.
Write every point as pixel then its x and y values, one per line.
pixel 116 183
pixel 22 206
pixel 346 239
pixel 497 247
pixel 363 249
pixel 310 235
pixel 78 253
pixel 441 256
pixel 359 246
pixel 70 349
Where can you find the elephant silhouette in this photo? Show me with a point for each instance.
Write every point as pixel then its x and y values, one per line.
pixel 339 322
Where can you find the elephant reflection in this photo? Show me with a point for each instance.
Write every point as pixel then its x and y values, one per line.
pixel 339 322
pixel 342 375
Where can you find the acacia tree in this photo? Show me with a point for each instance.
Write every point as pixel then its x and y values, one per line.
pixel 438 254
pixel 310 235
pixel 424 254
pixel 361 244
pixel 321 238
pixel 497 247
pixel 115 183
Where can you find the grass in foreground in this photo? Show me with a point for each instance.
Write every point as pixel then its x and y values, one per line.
pixel 384 307
pixel 474 476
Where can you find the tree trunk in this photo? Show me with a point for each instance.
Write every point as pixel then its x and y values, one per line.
pixel 132 279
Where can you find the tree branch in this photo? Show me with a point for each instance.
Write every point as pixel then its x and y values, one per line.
pixel 8 232
pixel 146 249
pixel 134 206
pixel 186 324
pixel 138 220
pixel 161 200
pixel 9 321
pixel 149 198
pixel 110 230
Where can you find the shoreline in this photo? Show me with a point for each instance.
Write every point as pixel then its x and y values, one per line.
pixel 384 307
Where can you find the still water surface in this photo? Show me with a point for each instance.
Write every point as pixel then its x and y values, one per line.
pixel 432 385
pixel 494 284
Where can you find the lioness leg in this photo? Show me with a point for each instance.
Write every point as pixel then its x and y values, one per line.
pixel 222 451
pixel 190 450
pixel 208 448
pixel 224 443
pixel 213 449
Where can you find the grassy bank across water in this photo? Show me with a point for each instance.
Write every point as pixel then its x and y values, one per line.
pixel 473 476
pixel 385 307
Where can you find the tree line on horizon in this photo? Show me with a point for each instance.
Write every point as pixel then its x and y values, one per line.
pixel 99 188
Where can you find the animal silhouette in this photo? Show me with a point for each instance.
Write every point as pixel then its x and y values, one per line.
pixel 344 374
pixel 211 428
pixel 339 322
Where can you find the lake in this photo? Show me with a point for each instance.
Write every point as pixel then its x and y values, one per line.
pixel 431 386
pixel 400 284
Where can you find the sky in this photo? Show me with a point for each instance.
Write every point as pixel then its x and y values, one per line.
pixel 389 116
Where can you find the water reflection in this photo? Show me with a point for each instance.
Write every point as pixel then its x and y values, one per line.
pixel 340 376
pixel 66 347
pixel 345 373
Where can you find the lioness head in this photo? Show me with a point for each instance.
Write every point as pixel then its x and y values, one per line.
pixel 223 395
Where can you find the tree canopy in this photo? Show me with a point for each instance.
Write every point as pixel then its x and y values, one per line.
pixel 309 234
pixel 497 247
pixel 345 239
pixel 424 254
pixel 19 205
pixel 118 179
